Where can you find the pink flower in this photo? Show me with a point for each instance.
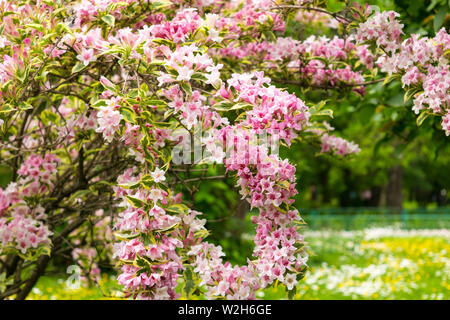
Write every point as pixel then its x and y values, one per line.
pixel 222 287
pixel 108 121
pixel 86 56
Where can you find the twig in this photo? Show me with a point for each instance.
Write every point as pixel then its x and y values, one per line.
pixel 334 15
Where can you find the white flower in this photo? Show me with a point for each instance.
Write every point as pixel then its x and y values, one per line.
pixel 222 287
pixel 197 224
pixel 211 20
pixel 290 281
pixel 185 73
pixel 158 175
pixel 155 195
pixel 214 35
pixel 164 78
pixel 4 42
pixel 161 294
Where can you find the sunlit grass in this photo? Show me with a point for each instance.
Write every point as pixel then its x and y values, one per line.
pixel 56 288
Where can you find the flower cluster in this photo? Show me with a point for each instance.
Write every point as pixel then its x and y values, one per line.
pixel 274 111
pixel 21 218
pixel 36 174
pixel 420 62
pixel 267 184
pixel 75 122
pixel 89 10
pixel 321 61
pixel 108 118
pixel 192 109
pixel 338 145
pixel 151 258
pixel 383 28
pixel 23 233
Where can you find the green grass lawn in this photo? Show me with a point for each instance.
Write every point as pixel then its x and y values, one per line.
pixel 371 264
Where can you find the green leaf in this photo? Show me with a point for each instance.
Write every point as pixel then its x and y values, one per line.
pixel 169 229
pixel 391 78
pixel 320 105
pixel 99 103
pixel 291 293
pixel 432 5
pixel 125 236
pixel 241 105
pixel 147 181
pixel 189 283
pixel 22 75
pixel 48 117
pixel 439 18
pixel 156 103
pixel 109 19
pixel 299 222
pixel 4 281
pixel 114 49
pixel 222 106
pixel 270 36
pixel 421 118
pixel 133 93
pixel 203 233
pixel 79 194
pixel 128 114
pixel 36 26
pixel 146 262
pixel 178 208
pixel 135 202
pixel 25 106
pixel 410 93
pixel 78 67
pixel 44 250
pixel 317 126
pixel 324 112
pixel 130 185
pixel 199 76
pixel 160 41
pixel 335 5
pixel 284 184
pixel 158 5
pixel 187 88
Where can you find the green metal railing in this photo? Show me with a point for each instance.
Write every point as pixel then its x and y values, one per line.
pixel 361 218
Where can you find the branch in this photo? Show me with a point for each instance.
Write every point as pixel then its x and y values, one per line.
pixel 205 178
pixel 334 15
pixel 343 84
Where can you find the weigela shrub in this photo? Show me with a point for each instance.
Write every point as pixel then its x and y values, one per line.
pixel 96 97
